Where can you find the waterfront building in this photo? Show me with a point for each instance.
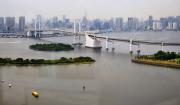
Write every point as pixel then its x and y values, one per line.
pixel 164 23
pixel 21 23
pixel 96 24
pixel 64 18
pixel 119 24
pixel 10 24
pixel 38 22
pixel 172 26
pixel 150 23
pixel 157 26
pixel 178 22
pixel 1 24
pixel 132 24
pixel 55 23
pixel 112 24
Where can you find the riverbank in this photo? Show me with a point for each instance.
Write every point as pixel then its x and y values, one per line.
pixel 62 60
pixel 156 62
pixel 161 58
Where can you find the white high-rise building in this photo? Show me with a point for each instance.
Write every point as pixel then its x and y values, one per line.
pixel 172 26
pixel 157 25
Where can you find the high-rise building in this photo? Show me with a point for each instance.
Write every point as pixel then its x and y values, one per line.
pixel 10 24
pixel 112 23
pixel 84 23
pixel 1 24
pixel 157 25
pixel 119 24
pixel 178 22
pixel 164 23
pixel 55 22
pixel 150 23
pixel 21 23
pixel 64 18
pixel 171 23
pixel 38 22
pixel 132 24
pixel 172 26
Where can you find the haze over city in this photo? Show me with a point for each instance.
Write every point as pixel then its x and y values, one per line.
pixel 89 52
pixel 94 8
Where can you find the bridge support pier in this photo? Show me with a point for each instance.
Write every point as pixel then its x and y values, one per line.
pixel 74 26
pixel 162 46
pixel 113 48
pixel 76 39
pixel 107 44
pixel 130 46
pixel 35 26
pixel 139 50
pixel 79 25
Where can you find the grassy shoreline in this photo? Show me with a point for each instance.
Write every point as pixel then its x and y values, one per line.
pixel 161 58
pixel 62 60
pixel 156 62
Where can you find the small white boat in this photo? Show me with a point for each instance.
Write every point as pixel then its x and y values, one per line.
pixel 10 85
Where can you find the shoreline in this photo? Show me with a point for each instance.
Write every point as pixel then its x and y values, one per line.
pixel 46 64
pixel 156 63
pixel 36 62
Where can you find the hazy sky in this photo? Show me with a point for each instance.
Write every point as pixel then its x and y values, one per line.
pixel 93 8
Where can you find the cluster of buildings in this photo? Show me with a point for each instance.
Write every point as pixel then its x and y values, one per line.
pixel 134 24
pixel 9 24
pixel 12 24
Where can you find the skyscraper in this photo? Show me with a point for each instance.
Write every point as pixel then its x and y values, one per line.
pixel 157 25
pixel 150 23
pixel 164 22
pixel 55 23
pixel 112 23
pixel 171 23
pixel 1 24
pixel 64 18
pixel 10 24
pixel 119 24
pixel 132 24
pixel 21 23
pixel 38 22
pixel 178 22
pixel 84 23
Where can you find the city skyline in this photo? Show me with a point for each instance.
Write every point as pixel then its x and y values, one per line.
pixel 94 8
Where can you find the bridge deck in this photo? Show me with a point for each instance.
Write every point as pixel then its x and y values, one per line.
pixel 138 41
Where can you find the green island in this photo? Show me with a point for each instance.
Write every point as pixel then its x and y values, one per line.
pixel 167 59
pixel 62 60
pixel 51 47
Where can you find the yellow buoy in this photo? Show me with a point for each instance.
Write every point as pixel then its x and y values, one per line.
pixel 35 94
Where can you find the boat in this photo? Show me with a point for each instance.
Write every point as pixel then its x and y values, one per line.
pixel 35 94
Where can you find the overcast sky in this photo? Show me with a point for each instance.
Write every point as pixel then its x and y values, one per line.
pixel 93 8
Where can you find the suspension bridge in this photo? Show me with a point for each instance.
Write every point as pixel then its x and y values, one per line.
pixel 92 40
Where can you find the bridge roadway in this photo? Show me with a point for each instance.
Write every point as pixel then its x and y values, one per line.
pixel 133 41
pixel 137 41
